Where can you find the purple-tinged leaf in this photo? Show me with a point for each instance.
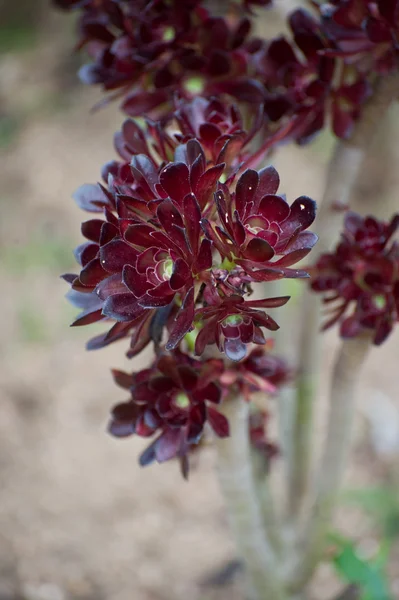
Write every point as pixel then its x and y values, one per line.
pixel 183 322
pixel 168 216
pixel 274 208
pixel 83 301
pixel 110 286
pixel 207 183
pixel 269 182
pixel 108 233
pixel 136 282
pixel 175 181
pixel 167 446
pixel 92 273
pixel 192 218
pixel 124 380
pixel 258 250
pixel 116 254
pixel 85 253
pixel 92 229
pixel 144 172
pixel 247 186
pixel 90 197
pixel 88 318
pixel 204 258
pixel 218 422
pixel 141 103
pixel 122 307
pixel 181 274
pixel 268 302
pixel 235 349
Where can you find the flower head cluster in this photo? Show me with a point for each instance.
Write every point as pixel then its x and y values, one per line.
pixel 361 278
pixel 261 371
pixel 185 223
pixel 177 249
pixel 172 399
pixel 365 32
pixel 308 84
pixel 149 50
pixel 177 396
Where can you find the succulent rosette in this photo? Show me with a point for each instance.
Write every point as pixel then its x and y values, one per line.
pixel 173 399
pixel 146 51
pixel 365 32
pixel 308 84
pixel 217 125
pixel 179 249
pixel 261 371
pixel 185 222
pixel 360 279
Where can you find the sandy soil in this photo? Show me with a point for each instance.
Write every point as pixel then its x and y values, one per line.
pixel 78 518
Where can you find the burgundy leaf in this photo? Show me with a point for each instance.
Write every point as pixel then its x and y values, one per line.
pixel 88 318
pixel 116 254
pixel 92 229
pixel 92 273
pixel 246 189
pixel 258 250
pixel 90 197
pixel 175 181
pixel 181 274
pixel 183 322
pixel 218 422
pixel 122 307
pixel 274 208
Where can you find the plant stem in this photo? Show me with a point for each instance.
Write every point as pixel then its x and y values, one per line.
pixel 237 483
pixel 342 176
pixel 346 374
pixel 264 494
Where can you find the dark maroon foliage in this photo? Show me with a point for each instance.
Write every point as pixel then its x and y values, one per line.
pixel 173 399
pixel 365 32
pixel 307 84
pixel 261 371
pixel 257 226
pixel 218 126
pixel 178 249
pixel 361 278
pixel 183 225
pixel 149 50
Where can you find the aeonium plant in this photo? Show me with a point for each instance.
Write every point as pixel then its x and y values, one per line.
pixel 190 241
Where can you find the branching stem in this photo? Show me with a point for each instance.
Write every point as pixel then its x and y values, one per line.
pixel 341 180
pixel 345 377
pixel 238 486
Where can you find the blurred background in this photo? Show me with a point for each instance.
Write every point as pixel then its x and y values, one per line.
pixel 79 520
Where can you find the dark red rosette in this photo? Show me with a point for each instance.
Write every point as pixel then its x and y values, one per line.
pixel 172 400
pixel 360 279
pixel 261 371
pixel 149 51
pixel 259 230
pixel 175 247
pixel 306 84
pixel 365 33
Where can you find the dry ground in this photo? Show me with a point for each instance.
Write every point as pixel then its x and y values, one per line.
pixel 78 518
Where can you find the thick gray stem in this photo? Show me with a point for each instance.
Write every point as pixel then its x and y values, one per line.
pixel 238 486
pixel 342 176
pixel 264 492
pixel 346 374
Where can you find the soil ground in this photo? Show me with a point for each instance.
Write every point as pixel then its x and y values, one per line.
pixel 79 520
